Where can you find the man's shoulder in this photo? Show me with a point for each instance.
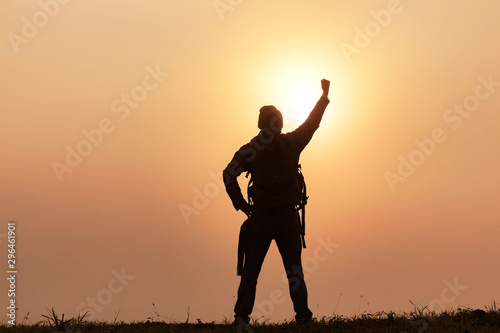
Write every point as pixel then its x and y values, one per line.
pixel 292 139
pixel 246 146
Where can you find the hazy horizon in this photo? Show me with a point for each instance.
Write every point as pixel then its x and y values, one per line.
pixel 118 118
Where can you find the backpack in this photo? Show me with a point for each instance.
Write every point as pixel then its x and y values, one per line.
pixel 277 179
pixel 274 172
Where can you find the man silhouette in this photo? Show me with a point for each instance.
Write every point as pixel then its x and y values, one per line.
pixel 272 159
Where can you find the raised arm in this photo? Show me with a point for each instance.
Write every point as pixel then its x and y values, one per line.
pixel 325 86
pixel 317 113
pixel 303 134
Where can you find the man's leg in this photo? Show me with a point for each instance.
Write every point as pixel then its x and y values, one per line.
pixel 290 247
pixel 258 245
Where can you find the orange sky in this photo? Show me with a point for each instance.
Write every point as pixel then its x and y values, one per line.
pixel 117 118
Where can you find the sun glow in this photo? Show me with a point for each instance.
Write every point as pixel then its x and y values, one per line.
pixel 294 87
pixel 300 96
pixel 297 93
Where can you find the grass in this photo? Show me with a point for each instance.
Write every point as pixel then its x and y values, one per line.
pixel 417 320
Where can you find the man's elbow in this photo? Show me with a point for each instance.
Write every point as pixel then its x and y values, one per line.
pixel 323 101
pixel 226 177
pixel 232 171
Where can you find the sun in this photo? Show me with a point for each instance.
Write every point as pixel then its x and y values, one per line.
pixel 294 87
pixel 300 96
pixel 297 93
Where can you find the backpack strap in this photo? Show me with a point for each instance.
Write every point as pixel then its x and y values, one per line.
pixel 244 234
pixel 302 206
pixel 243 246
pixel 303 228
pixel 249 188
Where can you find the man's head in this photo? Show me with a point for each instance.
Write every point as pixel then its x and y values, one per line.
pixel 270 117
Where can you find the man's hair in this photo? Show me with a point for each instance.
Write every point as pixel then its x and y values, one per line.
pixel 270 117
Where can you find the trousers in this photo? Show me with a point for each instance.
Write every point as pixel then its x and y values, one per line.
pixel 282 225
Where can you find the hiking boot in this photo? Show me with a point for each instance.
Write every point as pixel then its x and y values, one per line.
pixel 303 319
pixel 241 320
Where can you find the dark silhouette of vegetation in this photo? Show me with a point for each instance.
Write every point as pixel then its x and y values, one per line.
pixel 417 320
